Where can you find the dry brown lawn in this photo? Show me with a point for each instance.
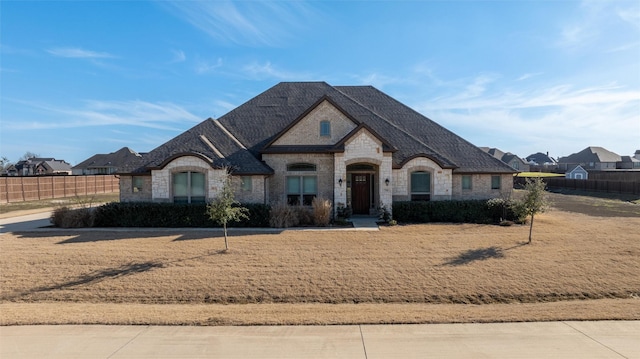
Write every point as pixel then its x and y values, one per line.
pixel 578 267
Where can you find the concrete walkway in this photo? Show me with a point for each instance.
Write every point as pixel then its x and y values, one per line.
pixel 605 339
pixel 25 222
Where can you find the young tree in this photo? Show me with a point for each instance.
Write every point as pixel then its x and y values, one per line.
pixel 224 208
pixel 534 200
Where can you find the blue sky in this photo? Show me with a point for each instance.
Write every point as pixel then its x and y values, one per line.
pixel 86 77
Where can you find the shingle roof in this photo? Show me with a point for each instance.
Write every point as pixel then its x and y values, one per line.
pixel 591 154
pixel 113 159
pixel 540 159
pixel 257 122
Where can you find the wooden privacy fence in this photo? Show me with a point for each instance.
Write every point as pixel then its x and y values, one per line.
pixel 589 185
pixel 20 189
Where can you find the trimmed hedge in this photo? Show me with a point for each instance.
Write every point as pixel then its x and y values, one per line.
pixel 172 215
pixel 469 211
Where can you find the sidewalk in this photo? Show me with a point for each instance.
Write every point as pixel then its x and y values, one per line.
pixel 605 339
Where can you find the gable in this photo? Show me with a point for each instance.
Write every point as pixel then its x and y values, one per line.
pixel 306 131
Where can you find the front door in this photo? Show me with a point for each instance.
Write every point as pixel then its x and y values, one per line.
pixel 360 192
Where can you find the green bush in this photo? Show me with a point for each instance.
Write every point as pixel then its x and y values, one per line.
pixel 145 214
pixel 469 211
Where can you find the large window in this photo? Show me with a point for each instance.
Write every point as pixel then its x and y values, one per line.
pixel 247 183
pixel 301 190
pixel 420 186
pixel 466 182
pixel 188 187
pixel 495 182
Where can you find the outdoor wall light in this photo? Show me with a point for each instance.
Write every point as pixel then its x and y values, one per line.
pixel 340 182
pixel 386 181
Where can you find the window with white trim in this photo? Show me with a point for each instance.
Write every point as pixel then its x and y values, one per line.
pixel 189 187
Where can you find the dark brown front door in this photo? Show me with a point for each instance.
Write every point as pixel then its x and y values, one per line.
pixel 360 188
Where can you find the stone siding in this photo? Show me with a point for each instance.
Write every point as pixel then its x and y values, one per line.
pixel 162 182
pixel 441 180
pixel 278 162
pixel 307 131
pixel 128 195
pixel 255 195
pixel 363 147
pixel 481 187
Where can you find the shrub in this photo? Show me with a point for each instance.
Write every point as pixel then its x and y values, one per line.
pixel 321 211
pixel 283 216
pixel 469 211
pixel 65 217
pixel 145 214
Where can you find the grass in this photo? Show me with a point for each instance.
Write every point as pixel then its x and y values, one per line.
pixel 578 267
pixel 17 208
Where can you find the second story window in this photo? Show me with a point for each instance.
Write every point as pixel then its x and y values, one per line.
pixel 325 128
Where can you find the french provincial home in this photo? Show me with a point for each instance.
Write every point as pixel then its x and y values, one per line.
pixel 354 145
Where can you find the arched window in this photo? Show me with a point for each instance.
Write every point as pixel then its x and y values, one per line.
pixel 189 187
pixel 420 186
pixel 297 167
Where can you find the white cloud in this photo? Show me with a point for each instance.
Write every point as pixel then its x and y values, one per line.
pixel 528 76
pixel 267 70
pixel 73 52
pixel 246 22
pixel 178 56
pixel 136 113
pixel 562 118
pixel 203 67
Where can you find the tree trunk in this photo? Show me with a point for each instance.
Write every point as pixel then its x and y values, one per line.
pixel 226 242
pixel 531 228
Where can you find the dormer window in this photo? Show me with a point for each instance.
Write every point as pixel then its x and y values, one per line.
pixel 325 129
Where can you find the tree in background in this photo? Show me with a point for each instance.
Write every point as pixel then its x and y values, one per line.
pixel 4 163
pixel 224 208
pixel 28 155
pixel 534 200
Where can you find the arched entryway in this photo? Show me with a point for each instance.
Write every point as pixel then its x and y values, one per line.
pixel 362 185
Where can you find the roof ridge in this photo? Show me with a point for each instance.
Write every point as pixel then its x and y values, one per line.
pixel 393 124
pixel 231 136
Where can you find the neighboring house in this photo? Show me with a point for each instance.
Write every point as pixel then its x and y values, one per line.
pixel 541 162
pixel 628 163
pixel 35 166
pixel 509 158
pixel 105 164
pixel 637 155
pixel 591 159
pixel 354 145
pixel 577 172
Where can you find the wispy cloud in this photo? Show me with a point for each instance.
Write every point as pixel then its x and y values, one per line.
pixel 136 113
pixel 267 70
pixel 78 53
pixel 246 22
pixel 528 76
pixel 178 56
pixel 204 66
pixel 541 117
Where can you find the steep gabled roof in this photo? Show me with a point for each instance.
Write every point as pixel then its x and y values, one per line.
pixel 208 141
pixel 591 154
pixel 243 134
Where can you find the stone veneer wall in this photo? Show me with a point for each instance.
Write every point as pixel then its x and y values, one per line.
pixel 126 190
pixel 161 179
pixel 256 195
pixel 307 131
pixel 277 191
pixel 441 180
pixel 481 187
pixel 364 148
